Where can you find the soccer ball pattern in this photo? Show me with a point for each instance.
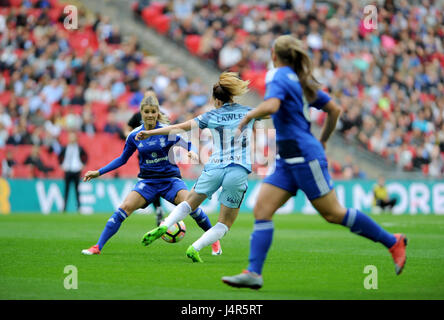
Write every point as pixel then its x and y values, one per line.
pixel 175 233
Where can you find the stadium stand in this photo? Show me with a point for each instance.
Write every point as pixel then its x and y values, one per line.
pixel 390 80
pixel 90 80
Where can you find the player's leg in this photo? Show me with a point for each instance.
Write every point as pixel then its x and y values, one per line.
pixel 132 202
pixel 197 212
pixel 234 185
pixel 361 224
pixel 179 213
pixel 270 199
pixel 213 235
pixel 159 210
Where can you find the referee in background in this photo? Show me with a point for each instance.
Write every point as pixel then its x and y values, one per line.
pixel 133 123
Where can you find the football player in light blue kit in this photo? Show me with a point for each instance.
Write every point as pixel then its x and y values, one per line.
pixel 228 166
pixel 158 175
pixel 301 162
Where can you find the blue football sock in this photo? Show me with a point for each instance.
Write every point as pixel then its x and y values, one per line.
pixel 201 219
pixel 363 225
pixel 260 243
pixel 112 226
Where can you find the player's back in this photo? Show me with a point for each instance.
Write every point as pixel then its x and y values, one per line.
pixel 223 123
pixel 292 120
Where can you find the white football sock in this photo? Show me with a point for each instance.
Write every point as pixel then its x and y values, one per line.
pixel 210 236
pixel 179 213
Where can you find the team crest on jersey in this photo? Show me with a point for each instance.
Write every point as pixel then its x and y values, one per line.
pixel 162 142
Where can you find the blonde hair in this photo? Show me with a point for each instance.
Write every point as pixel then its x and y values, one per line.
pixel 150 100
pixel 290 51
pixel 228 86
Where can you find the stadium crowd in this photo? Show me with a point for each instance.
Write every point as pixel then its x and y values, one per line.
pixel 90 80
pixel 388 75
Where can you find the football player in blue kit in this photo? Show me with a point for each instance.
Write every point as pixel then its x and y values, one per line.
pixel 301 162
pixel 158 176
pixel 228 166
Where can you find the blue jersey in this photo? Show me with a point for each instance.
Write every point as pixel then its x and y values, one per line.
pixel 292 121
pixel 223 123
pixel 154 161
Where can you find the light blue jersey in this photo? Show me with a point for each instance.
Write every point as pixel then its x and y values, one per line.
pixel 223 123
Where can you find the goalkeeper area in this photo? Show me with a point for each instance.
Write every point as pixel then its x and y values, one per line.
pixel 309 259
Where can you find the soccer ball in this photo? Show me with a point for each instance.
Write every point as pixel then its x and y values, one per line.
pixel 175 233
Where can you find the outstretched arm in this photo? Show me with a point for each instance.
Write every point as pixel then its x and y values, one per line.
pixel 263 110
pixel 174 129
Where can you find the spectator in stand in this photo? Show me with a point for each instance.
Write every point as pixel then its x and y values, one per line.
pixel 8 164
pixel 35 162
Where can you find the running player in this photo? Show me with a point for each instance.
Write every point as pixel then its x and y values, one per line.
pixel 157 177
pixel 301 162
pixel 228 166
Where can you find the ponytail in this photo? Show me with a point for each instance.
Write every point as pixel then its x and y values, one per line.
pixel 228 86
pixel 290 51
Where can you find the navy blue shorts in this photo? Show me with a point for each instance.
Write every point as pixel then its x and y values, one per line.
pixel 311 177
pixel 166 188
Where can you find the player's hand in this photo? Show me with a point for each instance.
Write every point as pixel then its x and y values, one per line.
pixel 241 126
pixel 324 144
pixel 91 175
pixel 142 135
pixel 193 156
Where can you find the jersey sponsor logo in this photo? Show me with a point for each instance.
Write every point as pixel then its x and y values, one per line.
pixel 227 159
pixel 154 155
pixel 230 117
pixel 156 160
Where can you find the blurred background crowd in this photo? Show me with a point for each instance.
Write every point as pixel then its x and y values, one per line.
pixel 388 74
pixel 91 80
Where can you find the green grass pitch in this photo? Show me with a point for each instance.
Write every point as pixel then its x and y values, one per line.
pixel 309 259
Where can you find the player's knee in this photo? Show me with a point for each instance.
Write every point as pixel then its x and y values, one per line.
pixel 334 215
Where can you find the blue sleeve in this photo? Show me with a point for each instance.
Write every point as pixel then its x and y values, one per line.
pixel 203 120
pixel 128 150
pixel 321 100
pixel 275 90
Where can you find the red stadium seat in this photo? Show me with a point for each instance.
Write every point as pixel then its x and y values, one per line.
pixel 162 24
pixel 192 43
pixel 21 152
pixel 15 3
pixel 22 171
pixel 149 14
pixel 5 97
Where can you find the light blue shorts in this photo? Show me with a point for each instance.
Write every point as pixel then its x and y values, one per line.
pixel 232 179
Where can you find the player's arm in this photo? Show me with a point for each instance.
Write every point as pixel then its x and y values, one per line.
pixel 263 110
pixel 333 112
pixel 116 163
pixel 174 129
